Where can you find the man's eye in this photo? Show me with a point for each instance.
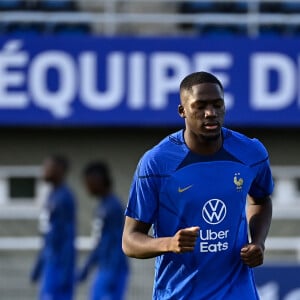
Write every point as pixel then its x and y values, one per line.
pixel 218 105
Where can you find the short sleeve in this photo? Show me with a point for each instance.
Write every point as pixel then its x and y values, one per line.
pixel 143 196
pixel 262 184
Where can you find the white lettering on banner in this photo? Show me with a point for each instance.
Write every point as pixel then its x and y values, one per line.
pixel 137 80
pixel 142 80
pixel 271 291
pixel 212 61
pixel 58 102
pixel 12 57
pixel 112 97
pixel 163 71
pixel 293 295
pixel 260 96
pixel 162 83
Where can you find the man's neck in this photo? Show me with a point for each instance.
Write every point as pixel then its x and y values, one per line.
pixel 203 145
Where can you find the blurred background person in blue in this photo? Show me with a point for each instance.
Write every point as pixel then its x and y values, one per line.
pixel 55 264
pixel 112 271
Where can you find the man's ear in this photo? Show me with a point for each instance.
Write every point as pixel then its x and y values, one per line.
pixel 181 111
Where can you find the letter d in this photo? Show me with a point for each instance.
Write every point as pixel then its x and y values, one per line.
pixel 260 96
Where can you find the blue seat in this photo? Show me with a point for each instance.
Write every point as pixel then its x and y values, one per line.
pixel 272 30
pixel 12 4
pixel 3 28
pixel 57 5
pixel 291 7
pixel 196 7
pixel 187 7
pixel 24 29
pixel 68 29
pixel 222 30
pixel 232 7
pixel 271 7
pixel 293 30
pixel 240 5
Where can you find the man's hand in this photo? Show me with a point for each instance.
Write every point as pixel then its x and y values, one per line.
pixel 184 240
pixel 252 255
pixel 137 243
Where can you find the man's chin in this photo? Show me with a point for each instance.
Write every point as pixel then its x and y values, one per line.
pixel 211 137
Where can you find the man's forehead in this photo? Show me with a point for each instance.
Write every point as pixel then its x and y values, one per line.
pixel 205 91
pixel 205 87
pixel 202 91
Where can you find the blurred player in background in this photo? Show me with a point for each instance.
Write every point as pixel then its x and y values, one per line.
pixel 192 187
pixel 55 264
pixel 112 265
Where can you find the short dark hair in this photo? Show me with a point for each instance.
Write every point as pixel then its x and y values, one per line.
pixel 197 78
pixel 61 161
pixel 98 168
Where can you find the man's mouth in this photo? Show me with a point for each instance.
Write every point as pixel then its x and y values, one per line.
pixel 211 126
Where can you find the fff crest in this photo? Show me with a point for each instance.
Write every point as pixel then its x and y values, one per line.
pixel 238 181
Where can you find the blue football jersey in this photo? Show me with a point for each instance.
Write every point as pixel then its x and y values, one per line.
pixel 174 188
pixel 110 216
pixel 60 232
pixel 55 263
pixel 107 233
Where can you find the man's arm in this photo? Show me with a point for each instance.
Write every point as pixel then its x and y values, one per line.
pixel 137 243
pixel 63 230
pixel 90 261
pixel 36 271
pixel 259 215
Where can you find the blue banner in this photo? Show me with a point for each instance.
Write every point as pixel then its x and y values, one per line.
pixel 134 81
pixel 278 282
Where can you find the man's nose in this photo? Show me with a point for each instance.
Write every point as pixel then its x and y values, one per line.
pixel 210 111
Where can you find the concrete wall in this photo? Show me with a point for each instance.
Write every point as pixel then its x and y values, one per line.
pixel 121 148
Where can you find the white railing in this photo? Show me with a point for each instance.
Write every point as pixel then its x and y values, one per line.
pixel 83 243
pixel 287 243
pixel 154 18
pixel 29 243
pixel 115 13
pixel 286 196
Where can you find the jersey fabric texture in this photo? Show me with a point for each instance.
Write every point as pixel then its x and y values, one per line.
pixel 174 188
pixel 57 258
pixel 112 265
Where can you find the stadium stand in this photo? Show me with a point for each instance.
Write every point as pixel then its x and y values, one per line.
pixel 27 28
pixel 249 18
pixel 210 7
pixel 270 7
pixel 222 30
pixel 273 26
pixel 291 7
pixel 67 29
pixel 54 5
pixel 24 29
pixel 12 5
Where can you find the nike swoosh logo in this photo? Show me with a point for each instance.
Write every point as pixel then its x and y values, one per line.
pixel 184 189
